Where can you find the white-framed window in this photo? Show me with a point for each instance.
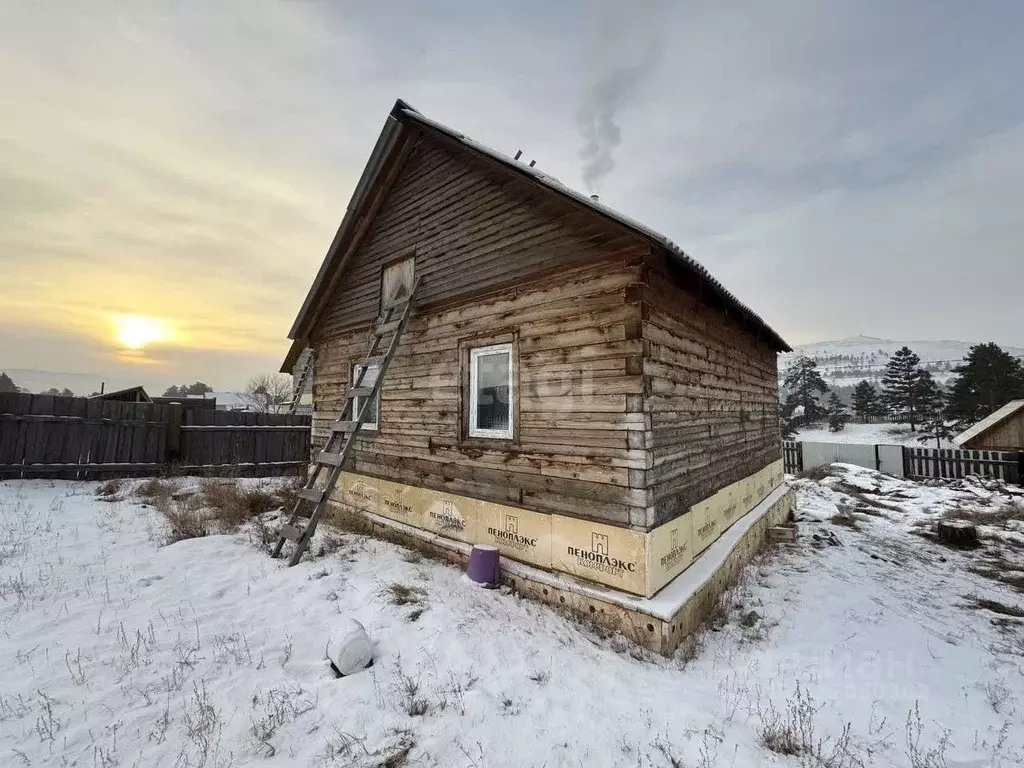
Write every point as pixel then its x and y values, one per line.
pixel 373 406
pixel 490 391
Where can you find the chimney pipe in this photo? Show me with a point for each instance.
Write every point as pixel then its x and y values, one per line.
pixel 596 198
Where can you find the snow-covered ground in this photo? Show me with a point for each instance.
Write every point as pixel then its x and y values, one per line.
pixel 870 434
pixel 118 650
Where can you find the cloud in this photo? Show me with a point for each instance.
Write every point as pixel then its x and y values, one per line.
pixel 842 169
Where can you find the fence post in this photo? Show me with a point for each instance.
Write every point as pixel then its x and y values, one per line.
pixel 175 418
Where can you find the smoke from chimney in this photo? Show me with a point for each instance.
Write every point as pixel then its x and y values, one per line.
pixel 624 46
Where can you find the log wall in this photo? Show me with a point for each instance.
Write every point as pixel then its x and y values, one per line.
pixel 634 400
pixel 578 398
pixel 472 227
pixel 711 394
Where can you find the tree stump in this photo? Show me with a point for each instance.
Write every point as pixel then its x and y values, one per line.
pixel 957 534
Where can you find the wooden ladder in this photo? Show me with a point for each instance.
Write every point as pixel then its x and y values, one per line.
pixel 345 429
pixel 300 385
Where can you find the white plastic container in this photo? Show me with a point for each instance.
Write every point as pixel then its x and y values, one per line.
pixel 349 648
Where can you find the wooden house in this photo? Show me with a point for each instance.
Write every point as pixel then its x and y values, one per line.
pixel 572 388
pixel 1002 430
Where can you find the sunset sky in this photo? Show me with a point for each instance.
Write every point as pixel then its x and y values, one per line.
pixel 171 174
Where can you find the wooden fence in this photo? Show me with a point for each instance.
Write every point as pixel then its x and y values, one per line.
pixel 84 438
pixel 792 457
pixel 905 461
pixel 949 463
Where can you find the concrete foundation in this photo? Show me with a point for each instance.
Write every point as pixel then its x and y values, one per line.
pixel 659 622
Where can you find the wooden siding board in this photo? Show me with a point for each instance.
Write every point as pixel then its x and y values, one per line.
pixel 467 229
pixel 558 461
pixel 712 393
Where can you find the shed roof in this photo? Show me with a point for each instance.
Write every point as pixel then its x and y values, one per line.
pixel 131 394
pixel 403 114
pixel 993 419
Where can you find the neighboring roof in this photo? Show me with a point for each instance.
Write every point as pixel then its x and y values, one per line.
pixel 189 401
pixel 402 114
pixel 989 421
pixel 132 394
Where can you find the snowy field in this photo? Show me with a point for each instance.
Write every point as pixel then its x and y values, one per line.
pixel 863 644
pixel 870 434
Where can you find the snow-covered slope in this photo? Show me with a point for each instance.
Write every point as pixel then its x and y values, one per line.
pixel 844 362
pixel 884 645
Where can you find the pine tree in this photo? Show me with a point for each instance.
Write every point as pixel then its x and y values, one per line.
pixel 198 389
pixel 931 403
pixel 865 400
pixel 899 386
pixel 929 397
pixel 803 383
pixel 6 383
pixel 837 414
pixel 988 379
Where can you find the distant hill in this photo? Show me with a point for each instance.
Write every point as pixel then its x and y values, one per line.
pixel 844 362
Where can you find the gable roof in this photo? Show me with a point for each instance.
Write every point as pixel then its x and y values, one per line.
pixel 989 421
pixel 403 115
pixel 135 394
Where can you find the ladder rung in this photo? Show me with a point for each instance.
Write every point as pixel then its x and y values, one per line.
pixel 311 494
pixel 330 459
pixel 387 327
pixel 291 532
pixel 359 392
pixel 344 426
pixel 398 301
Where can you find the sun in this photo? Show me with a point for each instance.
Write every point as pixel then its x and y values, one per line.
pixel 138 331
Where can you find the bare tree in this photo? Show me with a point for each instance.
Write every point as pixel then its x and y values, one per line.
pixel 268 393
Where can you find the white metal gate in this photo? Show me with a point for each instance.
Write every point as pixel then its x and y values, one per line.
pixel 884 458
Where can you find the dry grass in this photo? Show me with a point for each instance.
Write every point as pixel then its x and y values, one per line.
pixel 219 506
pixel 1011 577
pixel 997 517
pixel 845 520
pixel 793 732
pixel 234 505
pixel 110 489
pixel 403 594
pixel 817 474
pixel 288 495
pixel 985 604
pixel 186 517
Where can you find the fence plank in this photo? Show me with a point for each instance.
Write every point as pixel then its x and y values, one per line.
pixel 46 436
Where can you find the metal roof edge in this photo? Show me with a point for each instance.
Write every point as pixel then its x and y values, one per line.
pixel 556 186
pixel 386 141
pixel 984 425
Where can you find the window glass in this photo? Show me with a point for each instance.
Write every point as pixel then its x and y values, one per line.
pixel 491 391
pixel 372 408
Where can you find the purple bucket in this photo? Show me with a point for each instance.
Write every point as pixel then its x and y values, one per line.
pixel 483 565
